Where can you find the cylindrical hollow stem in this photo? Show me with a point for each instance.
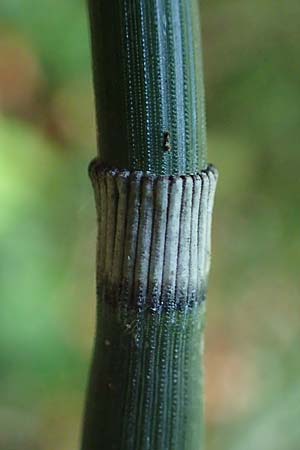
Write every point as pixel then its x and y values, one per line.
pixel 154 197
pixel 153 261
pixel 149 85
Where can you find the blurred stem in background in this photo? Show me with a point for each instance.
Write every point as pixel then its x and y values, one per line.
pixel 154 196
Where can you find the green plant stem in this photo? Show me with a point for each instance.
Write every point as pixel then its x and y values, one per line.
pixel 147 396
pixel 154 197
pixel 149 85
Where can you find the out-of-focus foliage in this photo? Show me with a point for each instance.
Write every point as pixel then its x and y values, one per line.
pixel 47 224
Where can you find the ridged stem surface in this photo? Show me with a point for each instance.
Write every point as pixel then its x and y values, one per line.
pixel 149 85
pixel 154 197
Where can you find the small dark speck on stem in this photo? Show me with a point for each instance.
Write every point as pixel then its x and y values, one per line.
pixel 167 142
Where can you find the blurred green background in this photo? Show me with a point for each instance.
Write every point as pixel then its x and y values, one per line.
pixel 48 228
